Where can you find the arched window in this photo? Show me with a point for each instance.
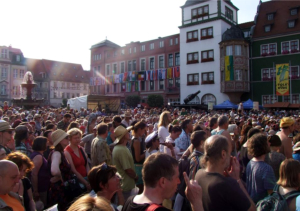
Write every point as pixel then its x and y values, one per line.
pixel 209 98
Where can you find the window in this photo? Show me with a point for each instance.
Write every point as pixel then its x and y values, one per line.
pixel 199 12
pixel 294 46
pixel 177 82
pixel 4 72
pixel 229 50
pixel 151 46
pixel 268 49
pixel 54 94
pixel 107 69
pixel 84 86
pixel 22 73
pixel 43 75
pixel 207 56
pixel 129 50
pixel 177 59
pixel 209 98
pixel 193 79
pixel 151 64
pixel 14 90
pixel 270 16
pixel 161 61
pixel 55 85
pixel 15 73
pixel 107 88
pixel 170 83
pixel 77 94
pixel 161 44
pixel 228 13
pixel 246 34
pixel 68 95
pixel 134 50
pixel 192 58
pixel 294 11
pixel 192 36
pixel 295 99
pixel 142 85
pixel 171 60
pixel 208 78
pixel 115 88
pixel 238 50
pixel 18 58
pixel 206 33
pixel 171 41
pixel 134 65
pixel 295 72
pixel 143 48
pixel 238 75
pixel 268 99
pixel 151 85
pixel 161 84
pixel 291 23
pixel 285 47
pixel 143 64
pixel 129 66
pixel 268 74
pixel 122 67
pixel 3 89
pixel 4 53
pixel 123 87
pixel 176 41
pixel 122 51
pixel 115 53
pixel 267 28
pixel 115 69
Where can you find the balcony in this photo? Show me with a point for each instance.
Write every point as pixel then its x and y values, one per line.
pixel 235 86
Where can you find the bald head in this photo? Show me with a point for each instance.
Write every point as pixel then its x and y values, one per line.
pixel 9 176
pixel 214 146
pixel 5 166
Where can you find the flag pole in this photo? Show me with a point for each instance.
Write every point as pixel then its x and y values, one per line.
pixel 290 72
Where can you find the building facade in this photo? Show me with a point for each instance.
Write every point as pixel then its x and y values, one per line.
pixel 203 24
pixel 138 68
pixel 275 40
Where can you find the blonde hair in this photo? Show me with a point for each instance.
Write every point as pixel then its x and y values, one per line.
pixel 74 132
pixel 88 203
pixel 163 119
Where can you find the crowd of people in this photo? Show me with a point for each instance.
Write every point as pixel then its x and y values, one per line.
pixel 147 159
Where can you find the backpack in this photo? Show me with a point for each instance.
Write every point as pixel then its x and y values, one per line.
pixel 276 201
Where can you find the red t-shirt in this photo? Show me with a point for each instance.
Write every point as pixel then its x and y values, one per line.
pixel 78 162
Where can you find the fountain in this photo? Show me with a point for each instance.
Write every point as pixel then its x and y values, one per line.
pixel 28 102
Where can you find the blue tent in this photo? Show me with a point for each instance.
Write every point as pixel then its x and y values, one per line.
pixel 225 105
pixel 249 104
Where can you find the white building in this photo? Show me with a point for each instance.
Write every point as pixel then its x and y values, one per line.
pixel 203 23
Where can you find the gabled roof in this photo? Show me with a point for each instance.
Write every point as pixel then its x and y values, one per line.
pixel 279 24
pixel 15 50
pixel 246 25
pixel 192 2
pixel 105 43
pixel 36 66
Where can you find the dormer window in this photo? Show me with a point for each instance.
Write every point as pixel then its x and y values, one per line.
pixel 291 23
pixel 294 11
pixel 267 28
pixel 270 16
pixel 18 58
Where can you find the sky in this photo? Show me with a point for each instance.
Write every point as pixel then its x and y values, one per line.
pixel 64 30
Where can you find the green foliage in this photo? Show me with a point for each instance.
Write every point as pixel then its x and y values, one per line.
pixel 132 100
pixel 155 101
pixel 64 102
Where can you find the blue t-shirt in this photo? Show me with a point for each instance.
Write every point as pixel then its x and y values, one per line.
pixel 296 156
pixel 260 178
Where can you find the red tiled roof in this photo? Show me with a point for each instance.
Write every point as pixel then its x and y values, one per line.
pixel 246 25
pixel 282 15
pixel 36 66
pixel 15 50
pixel 282 105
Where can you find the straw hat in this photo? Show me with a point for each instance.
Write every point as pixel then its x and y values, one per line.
pixel 5 126
pixel 57 136
pixel 120 131
pixel 127 114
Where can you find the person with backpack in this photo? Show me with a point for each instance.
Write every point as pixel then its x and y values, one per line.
pixel 286 194
pixel 161 177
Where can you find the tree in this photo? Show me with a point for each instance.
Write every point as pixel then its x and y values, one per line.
pixel 132 100
pixel 155 100
pixel 64 102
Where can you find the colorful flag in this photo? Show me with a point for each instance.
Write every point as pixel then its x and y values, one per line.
pixel 133 76
pixel 91 81
pixel 125 76
pixel 170 73
pixel 117 80
pixel 112 79
pixel 155 74
pixel 282 79
pixel 128 86
pixel 164 71
pixel 137 86
pixel 148 73
pixel 151 75
pixel 229 72
pixel 121 77
pixel 129 76
pixel 141 76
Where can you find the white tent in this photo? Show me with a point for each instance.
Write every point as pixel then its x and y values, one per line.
pixel 78 102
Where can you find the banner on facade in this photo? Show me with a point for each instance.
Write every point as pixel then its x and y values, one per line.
pixel 210 106
pixel 255 105
pixel 229 72
pixel 282 79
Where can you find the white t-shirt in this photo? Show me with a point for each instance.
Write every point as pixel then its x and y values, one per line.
pixel 168 151
pixel 163 133
pixel 150 153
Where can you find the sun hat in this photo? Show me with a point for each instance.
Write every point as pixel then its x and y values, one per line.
pixel 37 116
pixel 151 136
pixel 120 131
pixel 4 125
pixel 127 114
pixel 57 136
pixel 286 122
